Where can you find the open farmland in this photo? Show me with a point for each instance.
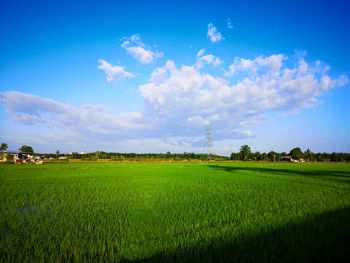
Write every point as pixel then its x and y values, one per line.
pixel 157 212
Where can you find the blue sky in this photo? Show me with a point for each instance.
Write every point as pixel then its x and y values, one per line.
pixel 148 76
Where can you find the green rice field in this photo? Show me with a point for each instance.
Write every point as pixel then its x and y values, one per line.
pixel 175 212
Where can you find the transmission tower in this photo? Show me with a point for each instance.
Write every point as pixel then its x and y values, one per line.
pixel 208 137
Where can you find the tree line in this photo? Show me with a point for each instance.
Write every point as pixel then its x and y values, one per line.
pixel 245 154
pixel 139 156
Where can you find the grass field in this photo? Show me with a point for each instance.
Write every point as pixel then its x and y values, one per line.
pixel 184 212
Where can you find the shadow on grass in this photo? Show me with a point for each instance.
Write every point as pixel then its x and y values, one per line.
pixel 328 175
pixel 320 238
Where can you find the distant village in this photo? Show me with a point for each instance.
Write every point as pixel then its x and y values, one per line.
pixel 26 155
pixel 32 158
pixel 18 157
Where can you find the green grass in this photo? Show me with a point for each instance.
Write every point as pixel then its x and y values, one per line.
pixel 159 212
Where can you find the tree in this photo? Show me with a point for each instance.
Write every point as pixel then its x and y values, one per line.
pixel 308 155
pixel 3 146
pixel 98 155
pixel 58 153
pixel 278 157
pixel 272 156
pixel 296 153
pixel 325 157
pixel 26 149
pixel 235 156
pixel 245 152
pixel 257 156
pixel 75 155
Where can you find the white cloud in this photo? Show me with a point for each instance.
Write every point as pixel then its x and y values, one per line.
pixel 240 133
pixel 303 67
pixel 88 120
pixel 113 72
pixel 209 59
pixel 160 74
pixel 200 52
pixel 185 97
pixel 213 34
pixel 342 80
pixel 272 64
pixel 179 101
pixel 197 121
pixel 136 48
pixel 229 24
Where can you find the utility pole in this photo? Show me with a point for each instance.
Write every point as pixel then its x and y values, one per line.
pixel 208 137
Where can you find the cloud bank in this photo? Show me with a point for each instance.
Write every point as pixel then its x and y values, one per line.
pixel 179 101
pixel 88 120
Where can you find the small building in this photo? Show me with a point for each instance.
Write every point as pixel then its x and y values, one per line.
pixel 287 159
pixel 291 160
pixel 23 158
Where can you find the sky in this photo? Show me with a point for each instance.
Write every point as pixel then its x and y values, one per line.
pixel 150 76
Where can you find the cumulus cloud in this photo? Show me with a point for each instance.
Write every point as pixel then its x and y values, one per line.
pixel 213 34
pixel 137 49
pixel 160 74
pixel 207 59
pixel 271 64
pixel 185 97
pixel 89 120
pixel 179 101
pixel 113 72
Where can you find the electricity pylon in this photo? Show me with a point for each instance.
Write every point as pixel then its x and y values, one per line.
pixel 208 137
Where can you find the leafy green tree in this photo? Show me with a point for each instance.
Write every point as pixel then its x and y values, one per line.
pixel 296 153
pixel 3 146
pixel 278 157
pixel 308 155
pixel 336 157
pixel 75 155
pixel 272 156
pixel 98 155
pixel 257 156
pixel 235 156
pixel 245 152
pixel 263 157
pixel 58 153
pixel 325 157
pixel 26 149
